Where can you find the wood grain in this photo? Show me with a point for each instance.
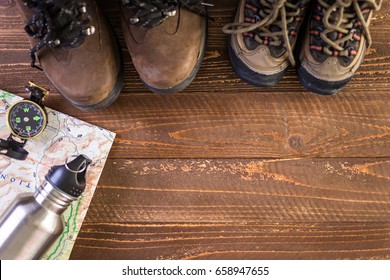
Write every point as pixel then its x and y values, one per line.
pixel 190 209
pixel 249 125
pixel 225 170
pixel 235 191
pixel 219 116
pixel 231 241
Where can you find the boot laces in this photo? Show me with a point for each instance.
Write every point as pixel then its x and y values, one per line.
pixel 343 17
pixel 271 13
pixel 150 13
pixel 57 24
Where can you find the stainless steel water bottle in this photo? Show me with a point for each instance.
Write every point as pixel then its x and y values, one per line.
pixel 33 222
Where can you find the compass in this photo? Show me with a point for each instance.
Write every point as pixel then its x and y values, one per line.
pixel 26 119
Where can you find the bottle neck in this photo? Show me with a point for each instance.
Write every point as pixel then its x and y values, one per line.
pixel 52 198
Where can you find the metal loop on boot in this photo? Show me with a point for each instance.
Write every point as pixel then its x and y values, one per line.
pixel 57 24
pixel 150 13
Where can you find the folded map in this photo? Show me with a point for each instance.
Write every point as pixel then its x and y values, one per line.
pixel 63 137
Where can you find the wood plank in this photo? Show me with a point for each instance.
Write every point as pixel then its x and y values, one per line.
pixel 221 117
pixel 298 208
pixel 305 241
pixel 295 190
pixel 249 125
pixel 258 198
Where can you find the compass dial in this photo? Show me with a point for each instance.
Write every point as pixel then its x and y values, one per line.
pixel 26 119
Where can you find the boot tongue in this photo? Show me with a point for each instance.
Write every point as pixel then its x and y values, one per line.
pixel 335 16
pixel 333 19
pixel 349 25
pixel 250 41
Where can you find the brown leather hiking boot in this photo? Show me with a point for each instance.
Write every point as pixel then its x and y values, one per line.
pixel 76 48
pixel 263 37
pixel 166 40
pixel 335 44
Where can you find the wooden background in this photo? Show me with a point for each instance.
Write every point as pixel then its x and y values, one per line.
pixel 225 170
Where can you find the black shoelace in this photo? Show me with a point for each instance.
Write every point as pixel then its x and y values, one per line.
pixel 150 13
pixel 57 24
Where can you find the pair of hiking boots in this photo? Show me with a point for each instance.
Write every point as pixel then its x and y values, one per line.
pixel 265 33
pixel 77 49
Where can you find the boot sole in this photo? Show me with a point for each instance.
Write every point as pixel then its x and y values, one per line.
pixel 250 76
pixel 185 83
pixel 318 86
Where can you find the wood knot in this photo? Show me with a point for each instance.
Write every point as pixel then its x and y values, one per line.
pixel 295 142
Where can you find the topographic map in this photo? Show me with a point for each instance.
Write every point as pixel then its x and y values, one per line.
pixel 63 137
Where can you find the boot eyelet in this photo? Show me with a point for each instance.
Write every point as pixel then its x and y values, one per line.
pixel 353 32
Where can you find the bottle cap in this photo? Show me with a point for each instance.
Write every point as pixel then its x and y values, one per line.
pixel 70 177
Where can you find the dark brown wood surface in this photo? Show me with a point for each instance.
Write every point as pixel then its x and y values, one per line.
pixel 225 170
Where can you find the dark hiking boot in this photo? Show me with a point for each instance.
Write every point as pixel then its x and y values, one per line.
pixel 166 40
pixel 76 48
pixel 263 37
pixel 335 43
